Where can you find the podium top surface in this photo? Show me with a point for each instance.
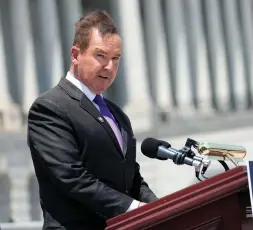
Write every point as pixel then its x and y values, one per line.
pixel 185 200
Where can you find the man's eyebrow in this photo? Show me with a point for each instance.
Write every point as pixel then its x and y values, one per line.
pixel 100 50
pixel 104 52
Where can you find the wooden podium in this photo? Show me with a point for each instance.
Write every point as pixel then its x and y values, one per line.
pixel 217 203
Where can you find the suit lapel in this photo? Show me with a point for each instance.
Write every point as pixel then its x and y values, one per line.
pixel 121 127
pixel 86 104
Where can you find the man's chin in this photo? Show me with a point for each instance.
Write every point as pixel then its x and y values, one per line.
pixel 100 90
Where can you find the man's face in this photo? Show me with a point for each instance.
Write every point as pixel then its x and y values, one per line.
pixel 97 66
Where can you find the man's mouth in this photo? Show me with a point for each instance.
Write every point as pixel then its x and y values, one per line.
pixel 104 77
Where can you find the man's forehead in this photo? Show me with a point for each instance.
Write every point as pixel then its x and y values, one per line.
pixel 109 40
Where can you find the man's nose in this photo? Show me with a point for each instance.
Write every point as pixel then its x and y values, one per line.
pixel 109 65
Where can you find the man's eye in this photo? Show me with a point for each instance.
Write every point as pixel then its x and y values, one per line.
pixel 100 55
pixel 115 58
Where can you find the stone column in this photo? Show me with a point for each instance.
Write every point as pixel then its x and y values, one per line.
pixel 5 98
pixel 25 72
pixel 24 53
pixel 156 55
pixel 216 55
pixel 48 44
pixel 247 41
pixel 139 101
pixel 201 86
pixel 69 13
pixel 237 83
pixel 4 94
pixel 14 45
pixel 178 56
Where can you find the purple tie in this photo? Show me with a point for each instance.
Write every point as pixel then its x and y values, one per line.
pixel 112 122
pixel 103 107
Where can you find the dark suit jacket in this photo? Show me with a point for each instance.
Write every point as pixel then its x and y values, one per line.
pixel 84 179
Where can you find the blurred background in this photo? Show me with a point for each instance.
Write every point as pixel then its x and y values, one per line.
pixel 186 71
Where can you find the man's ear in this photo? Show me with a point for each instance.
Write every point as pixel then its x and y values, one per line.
pixel 75 51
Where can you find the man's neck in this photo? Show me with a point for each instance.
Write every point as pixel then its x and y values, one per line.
pixel 80 85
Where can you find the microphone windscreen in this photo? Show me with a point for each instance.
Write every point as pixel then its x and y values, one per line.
pixel 150 146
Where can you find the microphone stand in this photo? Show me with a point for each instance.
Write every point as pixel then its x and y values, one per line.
pixel 198 162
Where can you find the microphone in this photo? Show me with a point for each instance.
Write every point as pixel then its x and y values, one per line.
pixel 162 150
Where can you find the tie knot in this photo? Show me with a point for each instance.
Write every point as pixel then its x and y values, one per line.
pixel 99 100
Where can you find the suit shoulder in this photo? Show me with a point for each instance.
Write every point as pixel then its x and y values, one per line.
pixel 49 97
pixel 52 94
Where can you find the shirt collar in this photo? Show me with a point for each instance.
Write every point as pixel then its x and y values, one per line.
pixel 81 86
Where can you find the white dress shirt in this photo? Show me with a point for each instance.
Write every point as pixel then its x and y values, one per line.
pixel 91 97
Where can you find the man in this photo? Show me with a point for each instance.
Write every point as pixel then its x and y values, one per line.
pixel 82 145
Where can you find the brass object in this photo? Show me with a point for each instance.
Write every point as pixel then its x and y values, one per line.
pixel 234 153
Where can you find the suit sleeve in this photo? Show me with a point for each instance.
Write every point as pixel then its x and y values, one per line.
pixel 140 189
pixel 53 145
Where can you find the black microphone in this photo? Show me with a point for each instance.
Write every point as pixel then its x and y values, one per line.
pixel 162 150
